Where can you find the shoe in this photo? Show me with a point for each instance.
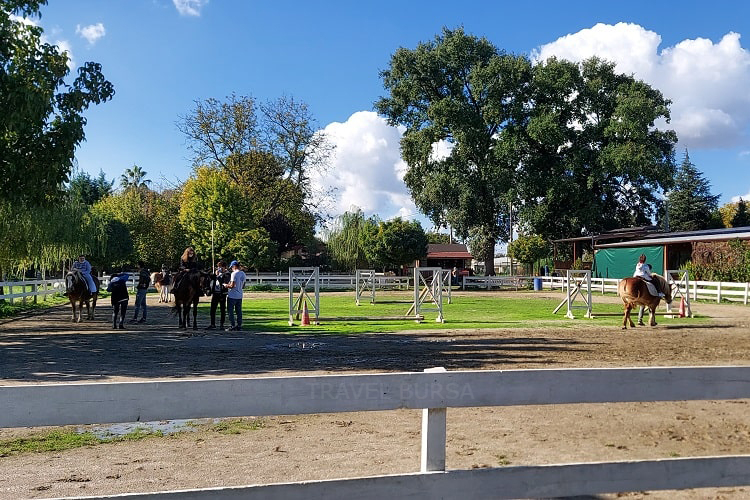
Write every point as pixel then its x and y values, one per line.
pixel 142 320
pixel 211 327
pixel 114 326
pixel 122 327
pixel 132 320
pixel 230 329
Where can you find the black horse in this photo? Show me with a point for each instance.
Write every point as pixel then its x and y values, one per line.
pixel 188 291
pixel 77 290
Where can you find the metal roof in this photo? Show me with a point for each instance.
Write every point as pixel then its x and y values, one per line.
pixel 684 237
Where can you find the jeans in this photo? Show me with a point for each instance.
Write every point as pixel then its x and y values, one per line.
pixel 219 300
pixel 235 306
pixel 140 301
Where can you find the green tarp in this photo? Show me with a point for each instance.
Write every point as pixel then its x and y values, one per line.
pixel 620 262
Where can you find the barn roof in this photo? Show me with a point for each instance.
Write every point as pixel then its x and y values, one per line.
pixel 723 234
pixel 447 251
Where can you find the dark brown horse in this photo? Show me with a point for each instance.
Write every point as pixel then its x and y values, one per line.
pixel 78 293
pixel 634 292
pixel 187 293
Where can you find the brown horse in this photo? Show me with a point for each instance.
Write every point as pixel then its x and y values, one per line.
pixel 634 291
pixel 78 293
pixel 162 284
pixel 188 292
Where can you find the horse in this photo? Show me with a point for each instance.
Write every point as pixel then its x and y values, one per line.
pixel 162 283
pixel 634 291
pixel 191 286
pixel 77 290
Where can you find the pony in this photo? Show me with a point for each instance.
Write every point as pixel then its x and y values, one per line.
pixel 634 291
pixel 191 286
pixel 162 284
pixel 77 290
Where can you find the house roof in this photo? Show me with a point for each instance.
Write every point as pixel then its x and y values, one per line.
pixel 447 251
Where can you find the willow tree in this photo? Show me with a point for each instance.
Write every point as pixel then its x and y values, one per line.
pixel 349 238
pixel 463 92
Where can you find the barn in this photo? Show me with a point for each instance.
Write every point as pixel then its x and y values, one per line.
pixel 663 250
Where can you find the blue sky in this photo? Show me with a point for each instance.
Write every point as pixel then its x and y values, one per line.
pixel 162 55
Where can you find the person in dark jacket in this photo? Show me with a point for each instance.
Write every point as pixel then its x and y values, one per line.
pixel 144 281
pixel 118 287
pixel 219 281
pixel 188 262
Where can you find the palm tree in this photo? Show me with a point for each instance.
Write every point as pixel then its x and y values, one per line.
pixel 134 178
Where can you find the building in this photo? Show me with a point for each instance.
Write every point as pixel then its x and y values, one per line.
pixel 446 256
pixel 616 252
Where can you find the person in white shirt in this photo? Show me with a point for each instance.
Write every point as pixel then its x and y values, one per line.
pixel 234 297
pixel 643 271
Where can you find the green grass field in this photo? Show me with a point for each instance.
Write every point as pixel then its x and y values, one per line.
pixel 261 313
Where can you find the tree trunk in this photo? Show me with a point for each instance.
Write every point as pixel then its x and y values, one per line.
pixel 489 260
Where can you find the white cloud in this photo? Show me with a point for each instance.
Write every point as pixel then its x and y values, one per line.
pixel 706 81
pixel 745 197
pixel 92 33
pixel 189 7
pixel 366 168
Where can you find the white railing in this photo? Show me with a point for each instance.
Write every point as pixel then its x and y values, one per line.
pixel 494 282
pixel 433 391
pixel 330 281
pixel 30 289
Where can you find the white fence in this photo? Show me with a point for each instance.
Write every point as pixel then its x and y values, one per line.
pixel 331 281
pixel 30 289
pixel 704 290
pixel 433 391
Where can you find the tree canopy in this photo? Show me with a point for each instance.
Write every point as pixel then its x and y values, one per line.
pixel 572 148
pixel 41 112
pixel 690 204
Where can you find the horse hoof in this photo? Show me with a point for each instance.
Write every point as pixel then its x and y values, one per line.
pixel 641 323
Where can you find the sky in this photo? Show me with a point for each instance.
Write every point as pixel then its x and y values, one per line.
pixel 163 55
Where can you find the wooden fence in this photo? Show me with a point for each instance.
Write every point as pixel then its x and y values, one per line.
pixel 433 391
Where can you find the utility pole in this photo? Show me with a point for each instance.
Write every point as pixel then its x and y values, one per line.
pixel 213 258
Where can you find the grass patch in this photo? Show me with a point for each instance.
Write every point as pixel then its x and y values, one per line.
pixel 66 439
pixel 8 310
pixel 271 314
pixel 237 425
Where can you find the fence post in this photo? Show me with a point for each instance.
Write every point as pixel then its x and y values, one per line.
pixel 34 290
pixel 433 435
pixel 718 293
pixel 747 291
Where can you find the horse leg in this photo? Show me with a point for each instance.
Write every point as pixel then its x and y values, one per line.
pixel 93 307
pixel 195 315
pixel 652 315
pixel 626 316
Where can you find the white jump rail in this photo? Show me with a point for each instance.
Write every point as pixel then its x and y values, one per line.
pixel 433 391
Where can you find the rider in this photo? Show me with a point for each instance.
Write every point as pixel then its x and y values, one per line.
pixel 188 262
pixel 84 267
pixel 643 271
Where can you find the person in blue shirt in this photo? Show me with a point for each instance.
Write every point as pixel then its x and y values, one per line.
pixel 84 267
pixel 234 297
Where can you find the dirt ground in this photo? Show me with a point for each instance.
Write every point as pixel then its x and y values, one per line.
pixel 49 349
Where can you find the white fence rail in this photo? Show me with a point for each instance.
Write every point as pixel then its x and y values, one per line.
pixel 433 391
pixel 33 289
pixel 331 281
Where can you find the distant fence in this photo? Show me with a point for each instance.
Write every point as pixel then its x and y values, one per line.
pixel 331 281
pixel 704 290
pixel 433 391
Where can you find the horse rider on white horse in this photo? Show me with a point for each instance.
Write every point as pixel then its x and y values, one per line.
pixel 84 267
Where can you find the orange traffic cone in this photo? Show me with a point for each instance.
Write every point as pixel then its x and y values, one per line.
pixel 682 307
pixel 305 315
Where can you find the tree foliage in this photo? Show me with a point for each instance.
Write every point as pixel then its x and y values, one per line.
pixel 134 178
pixel 347 237
pixel 87 190
pixel 572 147
pixel 41 114
pixel 690 205
pixel 591 156
pixel 462 92
pixel 529 249
pixel 254 248
pixel 741 217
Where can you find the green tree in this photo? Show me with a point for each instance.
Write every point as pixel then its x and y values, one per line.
pixel 134 178
pixel 690 204
pixel 270 150
pixel 590 157
pixel 254 248
pixel 438 238
pixel 350 238
pixel 396 243
pixel 463 91
pixel 41 113
pixel 87 190
pixel 529 249
pixel 741 217
pixel 211 200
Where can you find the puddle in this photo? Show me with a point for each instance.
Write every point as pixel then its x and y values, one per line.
pixel 164 426
pixel 294 345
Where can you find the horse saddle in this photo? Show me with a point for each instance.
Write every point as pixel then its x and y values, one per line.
pixel 651 287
